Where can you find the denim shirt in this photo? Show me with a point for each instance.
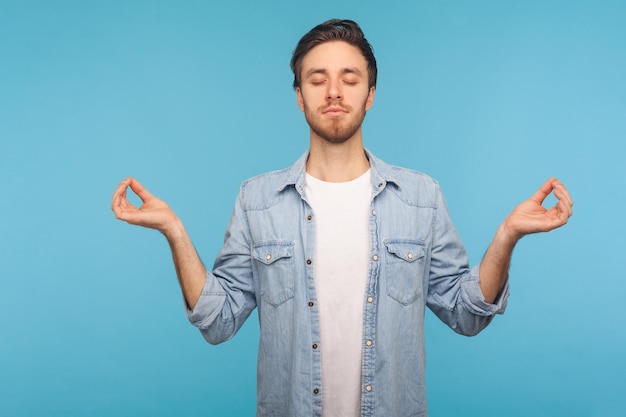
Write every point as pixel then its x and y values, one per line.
pixel 417 260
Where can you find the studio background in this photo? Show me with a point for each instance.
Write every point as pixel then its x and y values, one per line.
pixel 192 97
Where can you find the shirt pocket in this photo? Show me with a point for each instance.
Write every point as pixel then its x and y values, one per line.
pixel 404 269
pixel 276 271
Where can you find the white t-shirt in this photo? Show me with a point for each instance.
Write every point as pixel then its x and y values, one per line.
pixel 341 269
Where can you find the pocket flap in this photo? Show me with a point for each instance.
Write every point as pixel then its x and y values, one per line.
pixel 270 252
pixel 409 251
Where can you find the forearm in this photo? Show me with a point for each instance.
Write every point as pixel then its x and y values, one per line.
pixel 494 267
pixel 528 217
pixel 189 268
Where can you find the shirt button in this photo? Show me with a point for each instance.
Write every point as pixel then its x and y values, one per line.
pixel 410 256
pixel 370 299
pixel 308 262
pixel 375 257
pixel 368 343
pixel 309 217
pixel 368 388
pixel 314 346
pixel 373 212
pixel 310 303
pixel 316 391
pixel 268 257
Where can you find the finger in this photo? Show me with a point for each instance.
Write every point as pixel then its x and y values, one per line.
pixel 121 207
pixel 120 193
pixel 141 191
pixel 543 191
pixel 560 191
pixel 564 202
pixel 565 211
pixel 564 207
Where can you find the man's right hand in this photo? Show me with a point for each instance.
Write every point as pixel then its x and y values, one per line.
pixel 154 213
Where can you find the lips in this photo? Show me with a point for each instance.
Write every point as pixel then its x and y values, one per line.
pixel 335 111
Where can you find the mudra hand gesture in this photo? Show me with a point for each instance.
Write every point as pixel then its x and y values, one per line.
pixel 154 213
pixel 531 217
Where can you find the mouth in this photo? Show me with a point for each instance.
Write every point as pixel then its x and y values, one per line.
pixel 335 111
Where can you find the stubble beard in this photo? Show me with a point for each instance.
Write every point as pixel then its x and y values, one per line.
pixel 338 130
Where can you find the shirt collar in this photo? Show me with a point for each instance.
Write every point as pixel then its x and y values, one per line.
pixel 382 173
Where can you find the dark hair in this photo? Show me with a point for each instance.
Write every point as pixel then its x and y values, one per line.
pixel 334 30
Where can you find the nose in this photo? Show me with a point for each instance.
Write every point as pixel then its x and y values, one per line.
pixel 334 90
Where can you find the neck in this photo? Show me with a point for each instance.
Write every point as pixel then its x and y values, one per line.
pixel 337 162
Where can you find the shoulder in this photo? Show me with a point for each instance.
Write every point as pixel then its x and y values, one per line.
pixel 262 182
pixel 413 187
pixel 268 189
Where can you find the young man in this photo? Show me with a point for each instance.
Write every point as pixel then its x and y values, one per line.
pixel 340 254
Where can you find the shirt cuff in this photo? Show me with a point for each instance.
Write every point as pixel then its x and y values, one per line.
pixel 209 304
pixel 474 299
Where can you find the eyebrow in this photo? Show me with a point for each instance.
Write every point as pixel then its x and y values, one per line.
pixel 350 70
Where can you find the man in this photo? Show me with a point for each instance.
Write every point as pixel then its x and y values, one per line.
pixel 340 254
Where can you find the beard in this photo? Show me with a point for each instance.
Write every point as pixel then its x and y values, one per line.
pixel 335 130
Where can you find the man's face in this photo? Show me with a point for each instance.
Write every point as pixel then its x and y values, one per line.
pixel 334 93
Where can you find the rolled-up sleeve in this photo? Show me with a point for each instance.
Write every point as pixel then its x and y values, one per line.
pixel 454 293
pixel 473 299
pixel 228 295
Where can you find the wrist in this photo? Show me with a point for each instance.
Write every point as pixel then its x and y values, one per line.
pixel 174 229
pixel 507 235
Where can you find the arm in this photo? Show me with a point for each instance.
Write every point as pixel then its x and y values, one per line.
pixel 156 214
pixel 529 217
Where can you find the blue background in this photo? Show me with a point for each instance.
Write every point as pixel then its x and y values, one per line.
pixel 489 97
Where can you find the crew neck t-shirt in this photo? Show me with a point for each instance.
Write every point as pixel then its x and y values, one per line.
pixel 341 268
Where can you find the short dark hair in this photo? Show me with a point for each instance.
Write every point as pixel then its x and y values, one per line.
pixel 333 30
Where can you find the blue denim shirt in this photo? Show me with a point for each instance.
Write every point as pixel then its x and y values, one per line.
pixel 417 260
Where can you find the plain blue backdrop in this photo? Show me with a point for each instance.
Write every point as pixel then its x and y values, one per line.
pixel 192 97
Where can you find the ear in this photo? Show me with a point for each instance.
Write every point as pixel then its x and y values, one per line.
pixel 370 98
pixel 299 98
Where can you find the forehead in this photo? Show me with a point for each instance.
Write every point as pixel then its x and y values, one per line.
pixel 334 55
